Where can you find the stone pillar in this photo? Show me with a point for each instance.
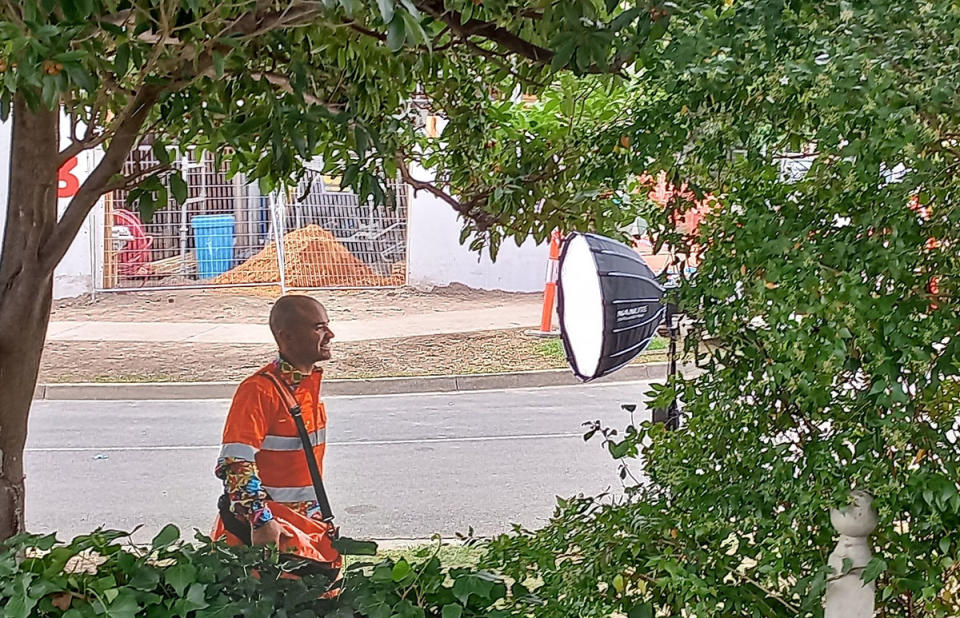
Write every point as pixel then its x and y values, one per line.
pixel 847 596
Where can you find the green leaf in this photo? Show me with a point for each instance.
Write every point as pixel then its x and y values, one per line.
pixel 401 570
pixel 124 605
pixel 146 205
pixel 352 547
pixel 657 30
pixel 467 13
pixel 624 19
pixel 19 604
pixel 196 598
pixel 846 566
pixel 122 60
pixel 349 175
pixel 411 8
pixel 166 536
pixel 45 542
pixel 472 584
pixel 415 30
pixel 451 611
pixel 179 576
pixel 218 64
pixel 350 7
pixel 406 609
pixel 77 10
pixel 56 560
pixel 49 94
pixel 874 569
pixel 70 56
pixel 395 35
pixel 362 139
pixel 382 574
pixel 386 10
pixel 160 152
pixel 145 578
pixel 79 76
pixel 179 189
pixel 641 611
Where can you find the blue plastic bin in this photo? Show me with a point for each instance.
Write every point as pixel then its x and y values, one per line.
pixel 213 235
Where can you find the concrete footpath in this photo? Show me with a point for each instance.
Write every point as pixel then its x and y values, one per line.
pixel 378 386
pixel 404 325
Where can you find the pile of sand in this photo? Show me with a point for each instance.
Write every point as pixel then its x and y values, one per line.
pixel 313 259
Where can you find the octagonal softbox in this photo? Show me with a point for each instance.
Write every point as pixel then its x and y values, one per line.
pixel 609 303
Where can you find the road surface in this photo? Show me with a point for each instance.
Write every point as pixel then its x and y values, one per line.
pixel 397 466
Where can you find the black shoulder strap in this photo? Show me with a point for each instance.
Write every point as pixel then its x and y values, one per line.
pixel 294 408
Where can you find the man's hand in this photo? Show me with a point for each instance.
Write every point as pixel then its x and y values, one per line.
pixel 270 532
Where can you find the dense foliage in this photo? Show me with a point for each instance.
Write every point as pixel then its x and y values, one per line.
pixel 274 84
pixel 831 292
pixel 105 574
pixel 828 135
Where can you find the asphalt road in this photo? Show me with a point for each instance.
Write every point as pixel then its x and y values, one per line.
pixel 397 466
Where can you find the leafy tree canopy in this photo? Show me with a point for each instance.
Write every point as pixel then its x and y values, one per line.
pixel 829 294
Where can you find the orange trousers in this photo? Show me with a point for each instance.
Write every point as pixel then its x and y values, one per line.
pixel 308 538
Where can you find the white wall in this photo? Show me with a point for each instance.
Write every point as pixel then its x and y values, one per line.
pixel 74 274
pixel 436 258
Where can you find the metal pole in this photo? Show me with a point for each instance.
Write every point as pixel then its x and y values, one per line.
pixel 92 226
pixel 185 170
pixel 276 199
pixel 670 416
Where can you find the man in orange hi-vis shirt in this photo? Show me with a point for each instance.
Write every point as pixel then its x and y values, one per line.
pixel 269 491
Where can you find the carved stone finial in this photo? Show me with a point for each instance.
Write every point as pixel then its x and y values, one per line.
pixel 847 596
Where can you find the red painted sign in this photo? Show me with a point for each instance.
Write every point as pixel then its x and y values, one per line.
pixel 67 183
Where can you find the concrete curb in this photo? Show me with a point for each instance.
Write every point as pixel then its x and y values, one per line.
pixel 377 386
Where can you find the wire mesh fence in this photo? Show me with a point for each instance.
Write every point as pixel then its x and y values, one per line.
pixel 229 234
pixel 339 241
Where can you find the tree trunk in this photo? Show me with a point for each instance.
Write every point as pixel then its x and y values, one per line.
pixel 26 292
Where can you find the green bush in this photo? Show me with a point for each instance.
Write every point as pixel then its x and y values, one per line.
pixel 825 133
pixel 105 574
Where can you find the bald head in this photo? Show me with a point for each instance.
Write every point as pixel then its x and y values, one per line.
pixel 301 329
pixel 289 310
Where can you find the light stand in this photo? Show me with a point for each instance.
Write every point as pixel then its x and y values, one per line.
pixel 670 416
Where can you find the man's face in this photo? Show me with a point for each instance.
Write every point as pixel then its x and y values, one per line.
pixel 308 339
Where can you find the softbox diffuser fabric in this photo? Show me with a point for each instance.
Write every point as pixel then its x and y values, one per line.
pixel 609 304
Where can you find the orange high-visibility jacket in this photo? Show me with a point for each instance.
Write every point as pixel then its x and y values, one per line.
pixel 259 428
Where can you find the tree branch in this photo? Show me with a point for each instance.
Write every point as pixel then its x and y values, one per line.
pixel 468 210
pixel 487 30
pixel 283 83
pixel 366 32
pixel 126 135
pixel 131 180
pixel 499 60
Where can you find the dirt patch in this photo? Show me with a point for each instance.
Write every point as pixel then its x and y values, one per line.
pixel 483 352
pixel 313 258
pixel 252 305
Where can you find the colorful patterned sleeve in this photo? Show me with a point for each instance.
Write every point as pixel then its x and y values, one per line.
pixel 241 482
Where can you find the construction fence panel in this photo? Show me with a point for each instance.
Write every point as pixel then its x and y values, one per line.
pixel 334 240
pixel 228 234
